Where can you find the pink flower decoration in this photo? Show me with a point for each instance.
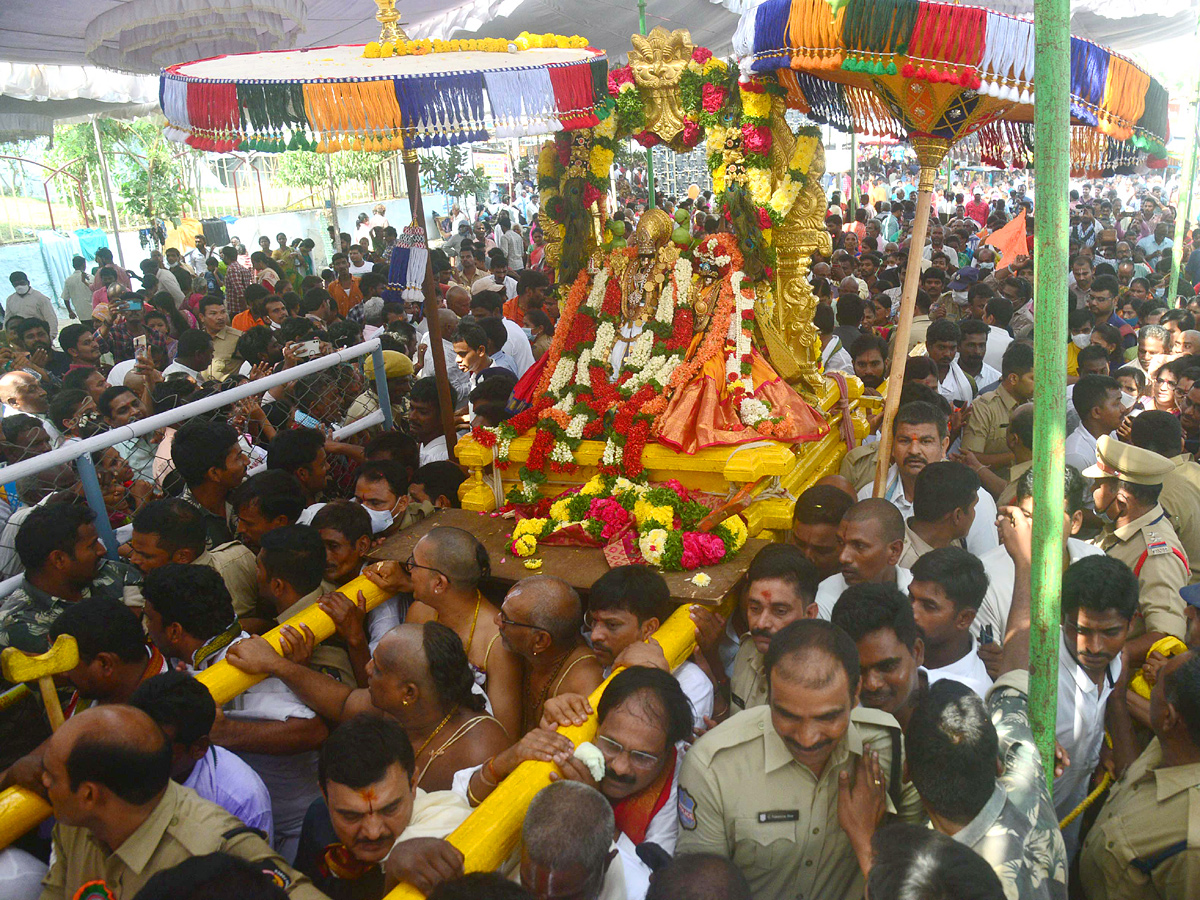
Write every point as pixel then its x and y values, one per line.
pixel 711 97
pixel 611 513
pixel 591 194
pixel 691 133
pixel 756 138
pixel 623 75
pixel 764 218
pixel 674 485
pixel 646 138
pixel 701 55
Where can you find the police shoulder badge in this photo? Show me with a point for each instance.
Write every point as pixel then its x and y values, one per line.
pixel 687 810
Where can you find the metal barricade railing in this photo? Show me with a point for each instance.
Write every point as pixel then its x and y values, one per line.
pixel 79 453
pixel 21 809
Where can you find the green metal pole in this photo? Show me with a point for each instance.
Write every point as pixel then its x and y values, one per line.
pixel 649 152
pixel 1051 225
pixel 1187 176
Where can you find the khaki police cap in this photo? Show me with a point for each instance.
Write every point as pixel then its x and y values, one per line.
pixel 1116 459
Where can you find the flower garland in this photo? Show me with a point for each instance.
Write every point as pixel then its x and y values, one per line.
pixel 663 518
pixel 578 399
pixel 523 41
pixel 703 73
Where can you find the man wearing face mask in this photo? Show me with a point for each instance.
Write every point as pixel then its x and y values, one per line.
pixel 1127 483
pixel 26 303
pixel 382 490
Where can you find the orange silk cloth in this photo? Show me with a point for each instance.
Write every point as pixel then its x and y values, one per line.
pixel 704 412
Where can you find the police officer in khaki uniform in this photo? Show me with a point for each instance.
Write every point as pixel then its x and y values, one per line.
pixel 858 465
pixel 781 587
pixel 763 788
pixel 986 431
pixel 121 818
pixel 1127 482
pixel 1145 844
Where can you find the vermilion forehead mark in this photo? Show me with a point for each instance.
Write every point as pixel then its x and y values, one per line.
pixel 766 594
pixel 368 794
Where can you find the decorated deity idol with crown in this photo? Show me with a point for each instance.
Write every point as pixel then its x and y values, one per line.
pixel 645 350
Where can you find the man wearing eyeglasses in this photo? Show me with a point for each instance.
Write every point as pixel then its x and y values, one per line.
pixel 644 718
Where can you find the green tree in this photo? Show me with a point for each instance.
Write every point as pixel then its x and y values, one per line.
pixel 147 174
pixel 447 173
pixel 306 169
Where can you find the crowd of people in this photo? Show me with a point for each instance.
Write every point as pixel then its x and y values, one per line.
pixel 860 721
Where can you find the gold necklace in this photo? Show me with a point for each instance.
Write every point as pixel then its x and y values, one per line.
pixel 474 622
pixel 441 725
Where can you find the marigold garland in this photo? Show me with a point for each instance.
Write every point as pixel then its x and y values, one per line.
pixel 523 41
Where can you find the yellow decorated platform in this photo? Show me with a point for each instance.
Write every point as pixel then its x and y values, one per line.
pixel 779 473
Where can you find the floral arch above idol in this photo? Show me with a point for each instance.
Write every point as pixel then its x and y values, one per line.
pixel 661 337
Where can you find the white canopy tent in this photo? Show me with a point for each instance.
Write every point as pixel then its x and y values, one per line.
pixel 33 98
pixel 145 35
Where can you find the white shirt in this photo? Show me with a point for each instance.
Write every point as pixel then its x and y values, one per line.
pixel 980 539
pixel 177 366
pixel 969 670
pixel 457 377
pixel 514 249
pixel 169 283
pixel 956 386
pixel 830 590
pixel 663 830
pixel 1080 448
pixel 517 346
pixel 33 305
pixel 998 341
pixel 1079 725
pixel 78 290
pixel 987 379
pixel 434 451
pixel 363 269
pixel 1001 576
pixel 834 357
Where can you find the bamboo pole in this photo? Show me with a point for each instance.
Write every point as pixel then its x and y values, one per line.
pixel 930 152
pixel 446 399
pixel 21 810
pixel 1052 128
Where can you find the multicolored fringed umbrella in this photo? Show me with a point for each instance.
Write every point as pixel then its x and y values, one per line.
pixel 910 67
pixel 934 73
pixel 336 98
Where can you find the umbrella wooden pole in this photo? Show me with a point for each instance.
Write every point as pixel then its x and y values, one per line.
pixel 930 153
pixel 446 399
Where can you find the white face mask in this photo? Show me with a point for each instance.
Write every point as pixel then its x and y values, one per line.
pixel 381 519
pixel 1081 340
pixel 22 289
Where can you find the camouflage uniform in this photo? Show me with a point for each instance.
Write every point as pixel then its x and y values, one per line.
pixel 28 612
pixel 1017 829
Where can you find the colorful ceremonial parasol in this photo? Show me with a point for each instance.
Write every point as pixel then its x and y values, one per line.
pixel 934 73
pixel 394 94
pixel 335 98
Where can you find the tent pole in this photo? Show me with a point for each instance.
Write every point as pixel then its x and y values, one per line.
pixel 1187 176
pixel 852 200
pixel 108 193
pixel 930 151
pixel 649 151
pixel 332 202
pixel 1052 136
pixel 412 176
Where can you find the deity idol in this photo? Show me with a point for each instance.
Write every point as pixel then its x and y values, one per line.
pixel 726 392
pixel 646 351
